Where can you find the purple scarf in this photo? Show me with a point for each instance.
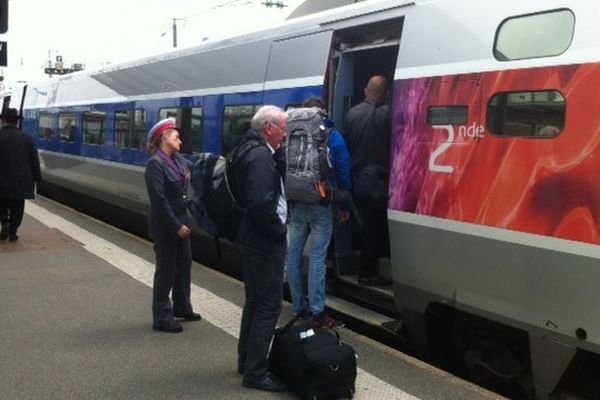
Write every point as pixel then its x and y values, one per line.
pixel 180 171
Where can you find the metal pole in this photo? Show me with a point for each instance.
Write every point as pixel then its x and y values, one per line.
pixel 49 63
pixel 174 32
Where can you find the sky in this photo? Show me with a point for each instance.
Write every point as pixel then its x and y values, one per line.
pixel 100 32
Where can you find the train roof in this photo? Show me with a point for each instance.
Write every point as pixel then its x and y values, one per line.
pixel 232 64
pixel 438 36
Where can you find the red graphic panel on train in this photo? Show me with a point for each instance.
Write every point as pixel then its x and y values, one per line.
pixel 537 172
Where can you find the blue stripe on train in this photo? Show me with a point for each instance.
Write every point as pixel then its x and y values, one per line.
pixel 212 109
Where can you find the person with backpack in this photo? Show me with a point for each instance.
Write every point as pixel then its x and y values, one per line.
pixel 258 185
pixel 317 154
pixel 367 129
pixel 167 177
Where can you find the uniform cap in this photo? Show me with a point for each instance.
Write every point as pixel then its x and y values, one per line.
pixel 161 127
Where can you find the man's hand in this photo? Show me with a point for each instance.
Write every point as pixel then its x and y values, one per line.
pixel 184 231
pixel 343 215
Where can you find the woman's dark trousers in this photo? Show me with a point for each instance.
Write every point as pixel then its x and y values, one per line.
pixel 173 270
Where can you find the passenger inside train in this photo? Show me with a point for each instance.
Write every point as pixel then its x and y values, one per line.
pixel 367 132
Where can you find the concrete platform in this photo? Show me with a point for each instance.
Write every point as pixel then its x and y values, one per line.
pixel 76 324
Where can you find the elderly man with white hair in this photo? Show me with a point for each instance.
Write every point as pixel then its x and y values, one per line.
pixel 262 238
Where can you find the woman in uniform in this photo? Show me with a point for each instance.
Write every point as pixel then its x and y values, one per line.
pixel 167 178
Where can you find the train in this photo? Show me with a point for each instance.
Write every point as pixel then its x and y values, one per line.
pixel 493 206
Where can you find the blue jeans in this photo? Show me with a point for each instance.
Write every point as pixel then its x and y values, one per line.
pixel 305 219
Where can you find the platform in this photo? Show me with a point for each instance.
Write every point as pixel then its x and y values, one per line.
pixel 76 324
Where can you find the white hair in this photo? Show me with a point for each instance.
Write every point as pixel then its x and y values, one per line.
pixel 264 115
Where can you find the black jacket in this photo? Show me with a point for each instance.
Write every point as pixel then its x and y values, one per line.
pixel 258 185
pixel 19 164
pixel 168 199
pixel 367 132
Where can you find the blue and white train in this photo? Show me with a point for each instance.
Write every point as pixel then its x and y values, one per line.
pixel 476 279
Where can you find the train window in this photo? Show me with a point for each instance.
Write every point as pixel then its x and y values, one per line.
pixel 130 128
pixel 236 121
pixel 451 115
pixel 67 126
pixel 93 127
pixel 527 114
pixel 189 121
pixel 46 126
pixel 534 35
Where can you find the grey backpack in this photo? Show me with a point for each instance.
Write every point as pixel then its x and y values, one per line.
pixel 307 155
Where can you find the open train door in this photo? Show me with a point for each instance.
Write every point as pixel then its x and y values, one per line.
pixel 359 53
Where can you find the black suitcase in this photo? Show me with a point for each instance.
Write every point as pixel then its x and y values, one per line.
pixel 313 362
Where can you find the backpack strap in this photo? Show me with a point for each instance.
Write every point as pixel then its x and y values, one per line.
pixel 309 160
pixel 233 159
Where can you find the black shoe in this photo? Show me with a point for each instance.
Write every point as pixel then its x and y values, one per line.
pixel 13 238
pixel 269 384
pixel 374 281
pixel 4 232
pixel 174 328
pixel 190 317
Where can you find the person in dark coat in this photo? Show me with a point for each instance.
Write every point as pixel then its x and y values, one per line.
pixel 167 178
pixel 367 129
pixel 262 238
pixel 19 170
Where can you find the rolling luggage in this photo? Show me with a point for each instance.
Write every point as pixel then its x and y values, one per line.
pixel 313 362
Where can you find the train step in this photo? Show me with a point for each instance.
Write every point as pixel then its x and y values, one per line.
pixel 382 327
pixel 376 298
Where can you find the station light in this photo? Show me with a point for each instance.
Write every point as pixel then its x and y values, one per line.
pixel 3 54
pixel 3 16
pixel 271 3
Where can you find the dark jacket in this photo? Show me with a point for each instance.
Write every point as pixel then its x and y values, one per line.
pixel 168 199
pixel 367 132
pixel 19 164
pixel 258 185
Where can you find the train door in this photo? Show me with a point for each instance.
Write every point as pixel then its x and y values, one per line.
pixel 359 53
pixel 296 69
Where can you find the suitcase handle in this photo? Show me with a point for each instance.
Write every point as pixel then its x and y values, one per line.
pixel 289 324
pixel 297 317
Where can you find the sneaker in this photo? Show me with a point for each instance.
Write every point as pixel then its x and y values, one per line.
pixel 304 314
pixel 323 320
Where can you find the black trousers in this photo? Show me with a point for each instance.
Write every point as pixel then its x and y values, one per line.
pixel 374 236
pixel 263 283
pixel 11 213
pixel 173 271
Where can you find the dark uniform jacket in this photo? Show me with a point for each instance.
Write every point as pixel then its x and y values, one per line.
pixel 19 164
pixel 168 199
pixel 367 132
pixel 258 185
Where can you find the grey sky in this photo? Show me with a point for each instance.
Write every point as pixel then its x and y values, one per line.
pixel 97 32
